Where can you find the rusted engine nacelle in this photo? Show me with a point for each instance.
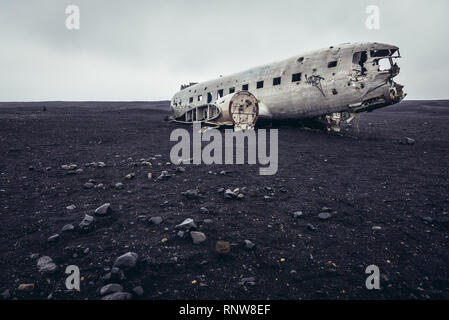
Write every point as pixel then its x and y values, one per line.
pixel 241 108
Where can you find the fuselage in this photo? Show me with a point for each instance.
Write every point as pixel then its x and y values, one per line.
pixel 349 77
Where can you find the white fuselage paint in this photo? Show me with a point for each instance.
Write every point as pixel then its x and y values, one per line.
pixel 339 86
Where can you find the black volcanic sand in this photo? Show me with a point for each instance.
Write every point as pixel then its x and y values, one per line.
pixel 367 178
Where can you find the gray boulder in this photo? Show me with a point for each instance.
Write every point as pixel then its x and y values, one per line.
pixel 104 210
pixel 198 237
pixel 191 194
pixel 68 227
pixel 155 220
pixel 87 223
pixel 187 224
pixel 126 261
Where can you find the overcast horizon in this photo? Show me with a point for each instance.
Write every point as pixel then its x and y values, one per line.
pixel 143 50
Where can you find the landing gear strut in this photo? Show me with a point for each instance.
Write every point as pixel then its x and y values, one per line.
pixel 334 121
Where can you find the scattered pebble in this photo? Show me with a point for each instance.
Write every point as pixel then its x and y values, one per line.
pixel 188 223
pixel 26 287
pixel 87 223
pixel 165 204
pixel 34 256
pixel 248 244
pixel 130 176
pixel 155 220
pixel 324 215
pixel 191 194
pixel 197 237
pixel 164 175
pixel 250 280
pixel 118 185
pixel 45 265
pixel 53 238
pixel 229 194
pixel 69 166
pixel 180 234
pixel 407 141
pixel 427 219
pixel 222 247
pixel 126 261
pixel 104 210
pixel 297 214
pixel 88 185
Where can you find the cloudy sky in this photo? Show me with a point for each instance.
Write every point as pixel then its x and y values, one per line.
pixel 143 50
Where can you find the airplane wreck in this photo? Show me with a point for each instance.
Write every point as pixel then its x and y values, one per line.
pixel 330 85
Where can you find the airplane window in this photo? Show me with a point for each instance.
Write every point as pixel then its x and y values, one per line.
pixel 209 97
pixel 190 99
pixel 220 93
pixel 332 64
pixel 296 77
pixel 384 64
pixel 276 81
pixel 245 87
pixel 200 97
pixel 259 84
pixel 358 60
pixel 232 90
pixel 380 53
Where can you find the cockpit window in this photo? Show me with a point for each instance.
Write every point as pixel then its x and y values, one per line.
pixel 358 61
pixel 384 64
pixel 382 52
